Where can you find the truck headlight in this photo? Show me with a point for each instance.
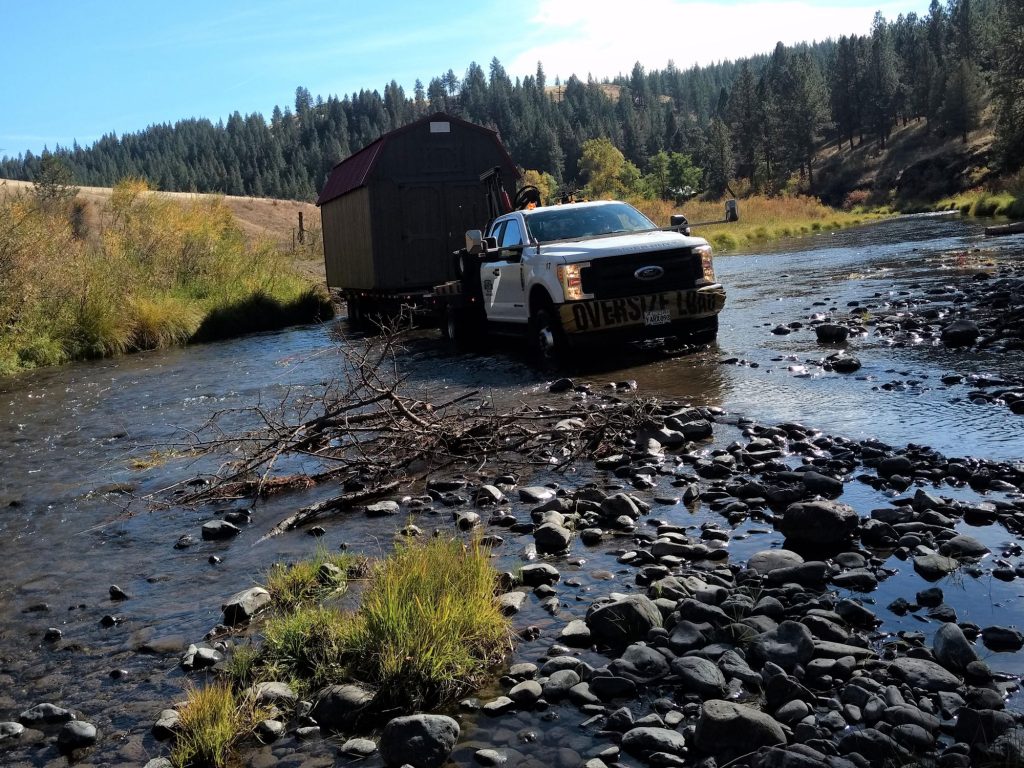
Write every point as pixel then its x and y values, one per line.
pixel 570 276
pixel 704 251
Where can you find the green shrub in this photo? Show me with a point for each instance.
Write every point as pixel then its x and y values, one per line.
pixel 308 580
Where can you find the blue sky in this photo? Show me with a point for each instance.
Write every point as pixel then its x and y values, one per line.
pixel 77 70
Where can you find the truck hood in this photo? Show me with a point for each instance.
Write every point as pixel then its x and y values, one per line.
pixel 617 245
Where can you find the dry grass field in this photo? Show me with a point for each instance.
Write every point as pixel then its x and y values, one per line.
pixel 259 217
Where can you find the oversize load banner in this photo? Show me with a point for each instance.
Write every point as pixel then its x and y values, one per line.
pixel 651 309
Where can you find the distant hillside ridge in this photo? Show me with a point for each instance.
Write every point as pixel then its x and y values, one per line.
pixel 816 118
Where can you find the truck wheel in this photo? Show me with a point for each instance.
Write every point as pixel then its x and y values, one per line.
pixel 458 329
pixel 356 318
pixel 547 338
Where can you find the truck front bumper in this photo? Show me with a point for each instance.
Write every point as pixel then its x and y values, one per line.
pixel 650 315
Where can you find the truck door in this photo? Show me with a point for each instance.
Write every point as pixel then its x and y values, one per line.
pixel 502 278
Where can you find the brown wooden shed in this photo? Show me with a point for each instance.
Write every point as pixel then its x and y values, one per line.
pixel 395 211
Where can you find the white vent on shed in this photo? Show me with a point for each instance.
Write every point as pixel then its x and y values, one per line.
pixel 440 127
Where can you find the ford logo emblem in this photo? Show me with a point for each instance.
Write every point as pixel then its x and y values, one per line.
pixel 649 273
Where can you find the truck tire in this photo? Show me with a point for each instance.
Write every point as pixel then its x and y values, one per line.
pixel 546 337
pixel 356 315
pixel 458 328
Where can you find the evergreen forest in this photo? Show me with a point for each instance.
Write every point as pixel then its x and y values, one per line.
pixel 759 124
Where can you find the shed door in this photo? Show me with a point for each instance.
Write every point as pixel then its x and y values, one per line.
pixel 424 236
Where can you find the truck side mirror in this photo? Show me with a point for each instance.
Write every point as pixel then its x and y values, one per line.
pixel 475 241
pixel 732 211
pixel 680 222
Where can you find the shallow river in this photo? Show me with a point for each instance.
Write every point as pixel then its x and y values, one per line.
pixel 75 445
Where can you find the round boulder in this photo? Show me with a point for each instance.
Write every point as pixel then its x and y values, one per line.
pixel 422 741
pixel 624 620
pixel 727 730
pixel 819 522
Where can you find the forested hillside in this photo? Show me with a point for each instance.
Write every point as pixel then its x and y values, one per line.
pixel 759 124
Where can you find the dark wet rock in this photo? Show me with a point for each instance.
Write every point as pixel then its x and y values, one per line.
pixel 856 614
pixel 612 687
pixel 998 638
pixel 808 574
pixel 686 636
pixel 465 520
pixel 895 465
pixel 575 634
pixel 526 693
pixel 498 706
pixel 490 757
pixel 727 730
pixel 489 494
pixel 167 724
pixel 552 538
pixel 843 363
pixel 116 593
pixel 276 693
pixel 787 646
pixel 308 733
pixel 821 485
pixel 929 598
pixel 830 333
pixel 75 735
pixel 980 727
pixel 873 745
pixel 269 731
pixel 535 494
pixel 201 657
pixel 535 574
pixel 856 579
pixel 618 505
pixel 242 606
pixel 511 603
pixel 960 333
pixel 52 635
pixel 819 522
pixel 934 566
pixel 963 546
pixel 10 731
pixel 338 707
pixel 382 509
pixel 924 675
pixel 624 619
pixel 159 762
pixel 558 386
pixel 646 740
pixel 641 664
pixel 781 330
pixel 218 530
pixel 559 683
pixel 184 541
pixel 45 714
pixel 700 676
pixel 952 649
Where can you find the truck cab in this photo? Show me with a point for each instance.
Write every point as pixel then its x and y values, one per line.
pixel 588 273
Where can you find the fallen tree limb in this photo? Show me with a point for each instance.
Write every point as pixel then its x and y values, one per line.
pixel 336 503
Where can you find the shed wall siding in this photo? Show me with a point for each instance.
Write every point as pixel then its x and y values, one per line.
pixel 348 241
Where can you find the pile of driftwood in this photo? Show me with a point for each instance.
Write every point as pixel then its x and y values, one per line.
pixel 363 435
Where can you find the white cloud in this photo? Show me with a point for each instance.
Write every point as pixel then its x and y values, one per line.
pixel 606 37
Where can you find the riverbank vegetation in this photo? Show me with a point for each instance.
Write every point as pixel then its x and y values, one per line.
pixel 1004 200
pixel 761 219
pixel 151 272
pixel 428 626
pixel 214 720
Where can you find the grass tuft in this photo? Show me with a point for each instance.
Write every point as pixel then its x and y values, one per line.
pixel 308 580
pixel 427 629
pixel 429 626
pixel 213 721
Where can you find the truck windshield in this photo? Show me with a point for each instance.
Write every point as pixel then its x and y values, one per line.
pixel 569 223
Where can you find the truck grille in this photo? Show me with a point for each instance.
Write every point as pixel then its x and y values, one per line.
pixel 614 277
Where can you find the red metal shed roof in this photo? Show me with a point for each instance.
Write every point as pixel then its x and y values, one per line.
pixel 352 172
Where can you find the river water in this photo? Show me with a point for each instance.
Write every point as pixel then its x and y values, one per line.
pixel 80 445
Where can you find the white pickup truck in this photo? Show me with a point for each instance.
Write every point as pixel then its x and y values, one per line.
pixel 584 274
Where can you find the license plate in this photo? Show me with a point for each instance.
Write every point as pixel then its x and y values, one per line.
pixel 657 317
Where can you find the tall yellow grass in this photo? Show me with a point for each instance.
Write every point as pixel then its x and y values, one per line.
pixel 761 219
pixel 155 270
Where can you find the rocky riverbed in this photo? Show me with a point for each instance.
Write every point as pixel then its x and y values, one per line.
pixel 719 588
